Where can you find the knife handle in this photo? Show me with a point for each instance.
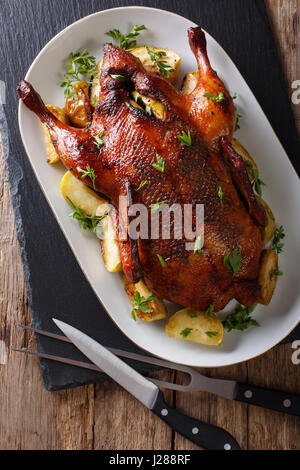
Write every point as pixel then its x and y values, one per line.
pixel 205 435
pixel 270 399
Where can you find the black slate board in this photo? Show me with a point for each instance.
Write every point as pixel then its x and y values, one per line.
pixel 54 281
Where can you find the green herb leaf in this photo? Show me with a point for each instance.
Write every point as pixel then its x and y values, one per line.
pixel 218 98
pixel 192 315
pixel 210 311
pixel 162 65
pixel 141 185
pixel 97 139
pixel 81 65
pixel 140 303
pixel 87 222
pixel 279 235
pixel 128 41
pixel 275 272
pixel 211 334
pixel 148 110
pixel 198 245
pixel 160 164
pixel 240 319
pixel 157 206
pixel 121 78
pixel 233 262
pixel 257 183
pixel 185 333
pixel 88 172
pixel 220 194
pixel 186 139
pixel 162 261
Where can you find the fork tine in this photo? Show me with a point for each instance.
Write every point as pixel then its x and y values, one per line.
pixel 45 333
pixel 121 353
pixel 90 366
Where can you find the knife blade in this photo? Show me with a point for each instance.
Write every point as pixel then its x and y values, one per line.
pixel 205 435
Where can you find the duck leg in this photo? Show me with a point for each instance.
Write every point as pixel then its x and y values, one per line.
pixel 75 147
pixel 211 106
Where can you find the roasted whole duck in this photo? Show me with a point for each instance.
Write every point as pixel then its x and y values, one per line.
pixel 133 139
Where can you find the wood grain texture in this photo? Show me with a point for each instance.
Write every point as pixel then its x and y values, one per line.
pixel 32 418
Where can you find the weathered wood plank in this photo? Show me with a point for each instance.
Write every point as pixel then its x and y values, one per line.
pixel 121 422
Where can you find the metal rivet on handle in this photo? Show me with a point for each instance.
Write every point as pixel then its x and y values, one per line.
pixel 164 412
pixel 248 394
pixel 287 403
pixel 195 430
pixel 227 447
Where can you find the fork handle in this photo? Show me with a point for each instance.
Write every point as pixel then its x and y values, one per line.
pixel 266 398
pixel 204 435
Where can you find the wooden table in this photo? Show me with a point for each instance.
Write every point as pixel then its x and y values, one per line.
pixel 32 418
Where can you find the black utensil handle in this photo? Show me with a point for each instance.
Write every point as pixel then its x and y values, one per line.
pixel 271 399
pixel 205 435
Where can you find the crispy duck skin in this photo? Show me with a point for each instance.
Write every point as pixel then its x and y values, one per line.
pixel 133 139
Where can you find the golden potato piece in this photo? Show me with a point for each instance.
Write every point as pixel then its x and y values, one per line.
pixel 109 243
pixel 194 325
pixel 267 279
pixel 189 82
pixel 269 230
pixel 52 156
pixel 157 306
pixel 171 59
pixel 92 204
pixel 246 156
pixel 79 110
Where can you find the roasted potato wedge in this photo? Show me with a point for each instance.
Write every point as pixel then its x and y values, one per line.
pixel 159 310
pixel 109 243
pixel 269 230
pixel 171 58
pixel 269 263
pixel 194 325
pixel 79 110
pixel 52 156
pixel 189 82
pixel 95 88
pixel 92 204
pixel 245 155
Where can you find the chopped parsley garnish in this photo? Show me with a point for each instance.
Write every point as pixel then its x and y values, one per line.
pixel 88 172
pixel 128 41
pixel 257 183
pixel 220 194
pixel 218 98
pixel 160 163
pixel 141 185
pixel 192 315
pixel 185 138
pixel 157 206
pixel 279 235
pixel 233 262
pixel 121 78
pixel 238 118
pixel 210 310
pixel 162 65
pixel 240 319
pixel 140 303
pixel 198 245
pixel 81 65
pixel 275 272
pixel 162 261
pixel 98 140
pixel 185 333
pixel 211 334
pixel 87 222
